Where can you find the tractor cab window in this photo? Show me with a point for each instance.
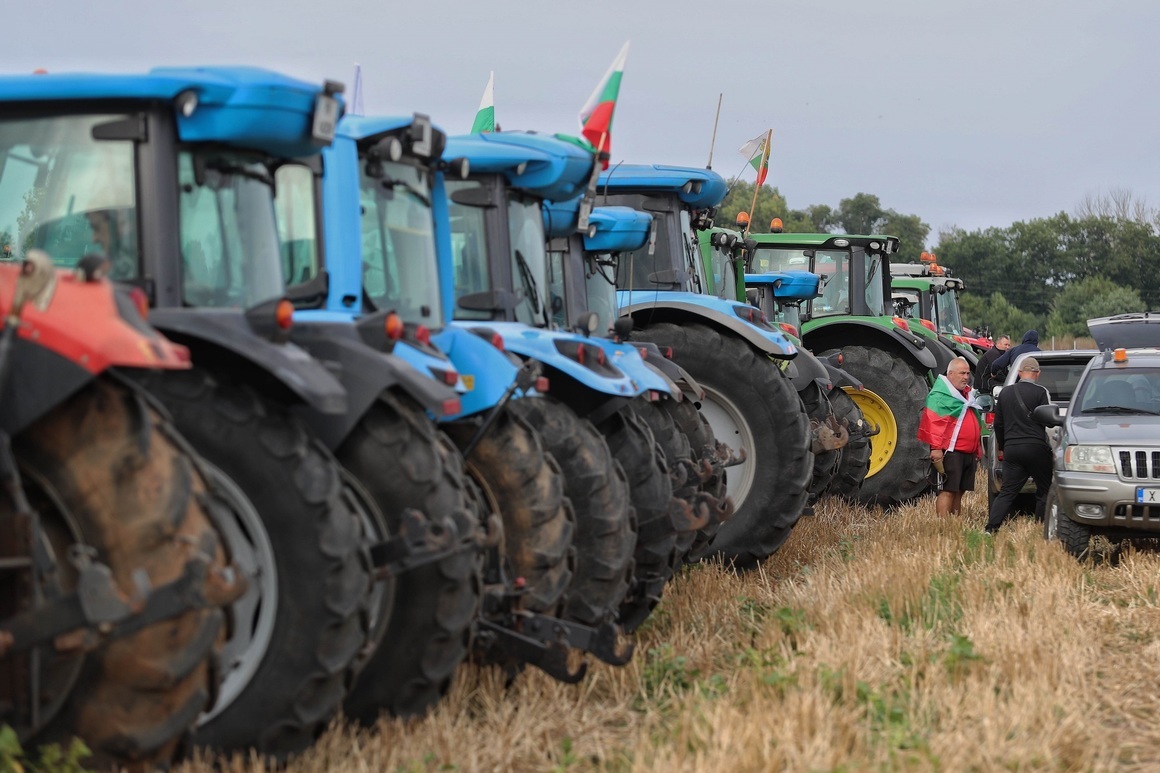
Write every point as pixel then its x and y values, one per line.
pixel 229 235
pixel 905 305
pixel 469 249
pixel 769 259
pixel 693 265
pixel 400 269
pixel 947 308
pixel 529 258
pixel 834 269
pixel 876 278
pixel 296 213
pixel 556 300
pixel 66 193
pixel 645 268
pixel 724 276
pixel 600 287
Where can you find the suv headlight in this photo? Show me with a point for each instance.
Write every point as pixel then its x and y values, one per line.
pixel 1089 459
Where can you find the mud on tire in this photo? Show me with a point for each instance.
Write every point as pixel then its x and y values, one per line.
pixel 304 619
pixel 595 484
pixel 107 470
pixel 403 462
pixel 745 383
pixel 524 484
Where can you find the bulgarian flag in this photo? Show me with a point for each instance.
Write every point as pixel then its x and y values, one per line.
pixel 945 414
pixel 757 151
pixel 596 115
pixel 485 118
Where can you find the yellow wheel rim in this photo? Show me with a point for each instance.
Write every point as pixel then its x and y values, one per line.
pixel 877 412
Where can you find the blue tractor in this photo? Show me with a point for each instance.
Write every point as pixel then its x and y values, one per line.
pixel 582 280
pixel 168 176
pixel 738 358
pixel 361 246
pixel 780 294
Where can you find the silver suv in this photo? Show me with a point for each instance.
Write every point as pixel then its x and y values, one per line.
pixel 1059 372
pixel 1107 465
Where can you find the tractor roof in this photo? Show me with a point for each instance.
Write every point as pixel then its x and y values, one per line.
pixel 540 164
pixel 246 106
pixel 910 282
pixel 695 187
pixel 826 241
pixel 610 229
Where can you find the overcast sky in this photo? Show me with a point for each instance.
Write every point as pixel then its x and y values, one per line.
pixel 966 113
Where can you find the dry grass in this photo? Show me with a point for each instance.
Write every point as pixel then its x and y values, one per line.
pixel 871 641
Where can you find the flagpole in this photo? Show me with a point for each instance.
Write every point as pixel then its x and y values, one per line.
pixel 756 185
pixel 713 141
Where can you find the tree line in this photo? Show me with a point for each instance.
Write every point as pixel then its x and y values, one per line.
pixel 1050 274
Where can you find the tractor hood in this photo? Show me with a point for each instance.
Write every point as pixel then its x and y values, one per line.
pixel 696 187
pixel 542 165
pixel 244 106
pixel 788 285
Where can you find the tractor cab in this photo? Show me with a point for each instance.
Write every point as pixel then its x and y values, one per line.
pixel 933 293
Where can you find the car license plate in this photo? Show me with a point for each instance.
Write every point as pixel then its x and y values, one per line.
pixel 1147 496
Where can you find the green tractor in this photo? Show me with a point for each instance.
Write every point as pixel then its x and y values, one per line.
pixel 852 315
pixel 927 294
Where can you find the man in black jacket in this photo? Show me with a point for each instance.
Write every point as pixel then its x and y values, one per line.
pixel 1030 343
pixel 1021 443
pixel 984 381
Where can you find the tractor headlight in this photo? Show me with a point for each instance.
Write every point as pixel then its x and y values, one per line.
pixel 1089 459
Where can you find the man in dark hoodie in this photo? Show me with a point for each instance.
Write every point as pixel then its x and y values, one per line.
pixel 983 381
pixel 1030 343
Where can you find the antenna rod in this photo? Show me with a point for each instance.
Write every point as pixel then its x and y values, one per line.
pixel 713 141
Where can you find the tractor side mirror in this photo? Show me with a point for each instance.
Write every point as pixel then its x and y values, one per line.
pixel 475 196
pixel 586 323
pixel 622 328
pixel 36 283
pixel 489 300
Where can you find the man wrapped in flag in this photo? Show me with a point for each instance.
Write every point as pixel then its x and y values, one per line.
pixel 952 425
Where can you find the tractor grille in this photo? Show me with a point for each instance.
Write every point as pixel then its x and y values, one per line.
pixel 1139 465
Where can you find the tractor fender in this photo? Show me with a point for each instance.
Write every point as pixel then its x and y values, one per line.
pixel 960 350
pixel 224 339
pixel 836 334
pixel 808 369
pixel 839 377
pixel 485 371
pixel 719 314
pixel 365 373
pixel 39 379
pixel 627 358
pixel 672 370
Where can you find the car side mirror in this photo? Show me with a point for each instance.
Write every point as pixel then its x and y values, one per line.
pixel 996 390
pixel 986 403
pixel 1047 415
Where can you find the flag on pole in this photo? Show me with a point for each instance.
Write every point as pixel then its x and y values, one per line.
pixel 356 97
pixel 485 117
pixel 596 115
pixel 757 151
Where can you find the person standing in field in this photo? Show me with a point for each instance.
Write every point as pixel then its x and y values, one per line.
pixel 1030 343
pixel 952 426
pixel 1021 443
pixel 984 382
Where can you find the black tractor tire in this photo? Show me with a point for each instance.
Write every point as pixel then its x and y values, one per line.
pixel 107 471
pixel 900 387
pixel 595 484
pixel 855 460
pixel 293 658
pixel 825 463
pixel 403 462
pixel 650 486
pixel 771 424
pixel 522 482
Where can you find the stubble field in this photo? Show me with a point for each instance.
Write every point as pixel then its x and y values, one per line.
pixel 871 641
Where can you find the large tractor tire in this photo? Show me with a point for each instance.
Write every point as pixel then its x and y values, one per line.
pixel 825 463
pixel 892 399
pixel 750 405
pixel 855 455
pixel 107 472
pixel 299 540
pixel 595 484
pixel 522 482
pixel 650 486
pixel 403 462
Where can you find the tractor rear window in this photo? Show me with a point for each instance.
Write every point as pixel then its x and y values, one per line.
pixel 66 193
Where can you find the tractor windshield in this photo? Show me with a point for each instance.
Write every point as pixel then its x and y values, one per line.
pixel 650 266
pixel 876 279
pixel 947 308
pixel 66 193
pixel 400 272
pixel 469 248
pixel 834 269
pixel 724 277
pixel 768 259
pixel 529 259
pixel 600 286
pixel 229 235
